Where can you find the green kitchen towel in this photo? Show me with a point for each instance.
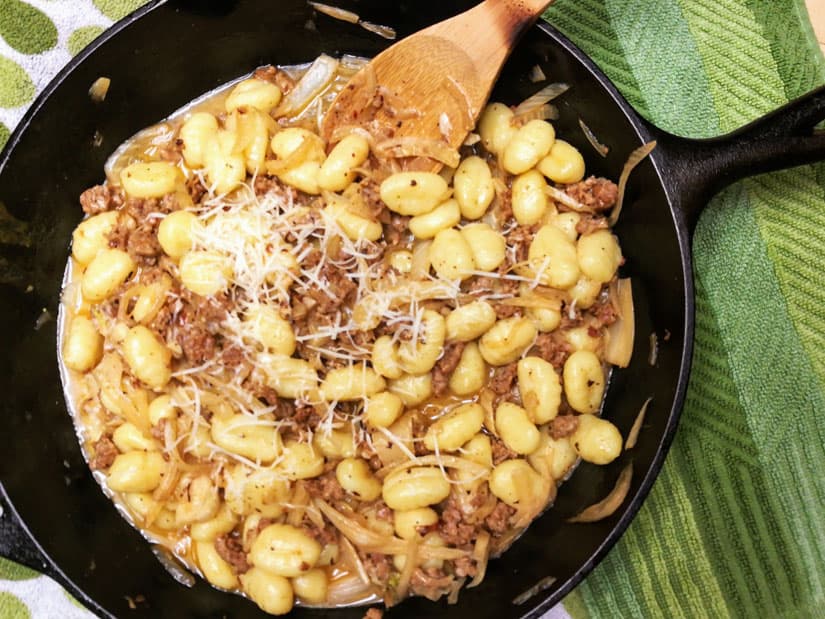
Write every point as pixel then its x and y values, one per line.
pixel 734 527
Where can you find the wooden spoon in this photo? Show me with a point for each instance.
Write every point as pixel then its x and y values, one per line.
pixel 427 91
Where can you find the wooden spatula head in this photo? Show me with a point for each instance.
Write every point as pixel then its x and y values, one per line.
pixel 423 95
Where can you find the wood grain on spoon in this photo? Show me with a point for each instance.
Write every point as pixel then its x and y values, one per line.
pixel 427 91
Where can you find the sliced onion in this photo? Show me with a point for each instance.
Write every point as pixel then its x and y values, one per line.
pixel 335 12
pixel 618 347
pixel 481 555
pixel 635 158
pixel 545 95
pixel 370 541
pixel 633 435
pixel 569 201
pixel 173 565
pixel 536 74
pixel 318 76
pixel 653 355
pixel 410 146
pixel 99 89
pixel 544 583
pixel 442 460
pixel 410 563
pixel 548 111
pixel 594 142
pixel 382 31
pixel 349 589
pixel 609 504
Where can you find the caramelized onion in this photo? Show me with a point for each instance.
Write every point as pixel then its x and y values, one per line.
pixel 594 142
pixel 618 347
pixel 335 12
pixel 545 95
pixel 544 583
pixel 633 435
pixel 608 505
pixel 635 158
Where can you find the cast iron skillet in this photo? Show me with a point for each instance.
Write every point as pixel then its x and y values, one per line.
pixel 56 519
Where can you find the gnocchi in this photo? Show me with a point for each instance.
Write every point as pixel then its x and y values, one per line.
pixel 301 356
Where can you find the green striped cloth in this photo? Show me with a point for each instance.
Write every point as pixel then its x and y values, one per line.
pixel 734 526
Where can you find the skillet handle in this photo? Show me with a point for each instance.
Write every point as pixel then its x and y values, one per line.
pixel 16 543
pixel 695 170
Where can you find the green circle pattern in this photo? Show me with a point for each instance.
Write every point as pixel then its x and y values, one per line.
pixel 4 135
pixel 13 571
pixel 118 9
pixel 81 37
pixel 12 607
pixel 16 87
pixel 27 29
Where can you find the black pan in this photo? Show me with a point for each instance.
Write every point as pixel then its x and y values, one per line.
pixel 56 519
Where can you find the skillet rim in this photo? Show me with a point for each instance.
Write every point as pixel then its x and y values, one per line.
pixel 644 132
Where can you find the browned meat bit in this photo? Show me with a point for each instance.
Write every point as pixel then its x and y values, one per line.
pixel 340 290
pixel 105 453
pixel 275 76
pixel 232 356
pixel 553 348
pixel 465 566
pixel 563 425
pixel 445 366
pixel 505 207
pixel 101 198
pixel 600 194
pixel 501 452
pixel 374 613
pixel 306 415
pixel 196 326
pixel 395 228
pixel 158 431
pixel 195 188
pixel 197 343
pixel 326 487
pixel 452 527
pixel 520 238
pixel 590 223
pixel 504 378
pixel 498 521
pixel 142 208
pixel 323 536
pixel 604 313
pixel 377 566
pixel 430 582
pixel 370 197
pixel 230 549
pixel 171 150
pixel 143 243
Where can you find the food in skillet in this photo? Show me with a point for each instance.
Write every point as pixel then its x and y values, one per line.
pixel 313 374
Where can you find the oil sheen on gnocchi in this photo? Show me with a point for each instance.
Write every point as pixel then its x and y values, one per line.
pixel 319 374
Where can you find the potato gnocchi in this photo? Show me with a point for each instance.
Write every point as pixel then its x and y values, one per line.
pixel 321 375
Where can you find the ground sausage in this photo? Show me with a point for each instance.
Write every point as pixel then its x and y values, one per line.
pixel 600 194
pixel 230 549
pixel 444 367
pixel 100 198
pixel 553 349
pixel 563 426
pixel 105 453
pixel 498 521
pixel 503 378
pixel 326 487
pixel 374 613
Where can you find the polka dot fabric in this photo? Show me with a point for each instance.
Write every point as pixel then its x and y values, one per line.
pixel 37 38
